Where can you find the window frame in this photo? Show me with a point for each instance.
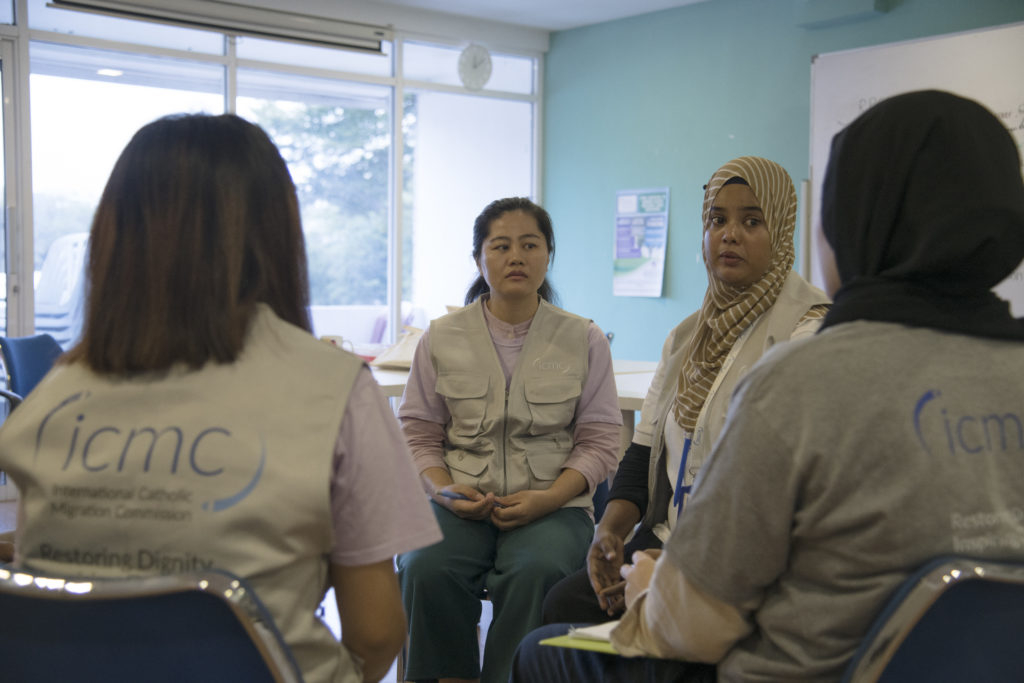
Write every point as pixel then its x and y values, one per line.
pixel 15 41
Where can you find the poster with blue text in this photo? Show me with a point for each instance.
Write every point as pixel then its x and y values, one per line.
pixel 641 233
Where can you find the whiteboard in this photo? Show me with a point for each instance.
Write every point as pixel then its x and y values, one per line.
pixel 985 65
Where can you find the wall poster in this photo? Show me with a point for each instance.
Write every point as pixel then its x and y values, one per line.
pixel 641 234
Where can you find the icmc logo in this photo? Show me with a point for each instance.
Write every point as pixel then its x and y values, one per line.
pixel 170 451
pixel 940 430
pixel 551 366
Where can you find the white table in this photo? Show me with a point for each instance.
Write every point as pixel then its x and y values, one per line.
pixel 632 378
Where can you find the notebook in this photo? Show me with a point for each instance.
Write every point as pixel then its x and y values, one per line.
pixel 596 638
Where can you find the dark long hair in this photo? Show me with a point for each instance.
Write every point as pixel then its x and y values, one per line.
pixel 197 224
pixel 482 229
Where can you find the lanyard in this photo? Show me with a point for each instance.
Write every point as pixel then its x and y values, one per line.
pixel 682 491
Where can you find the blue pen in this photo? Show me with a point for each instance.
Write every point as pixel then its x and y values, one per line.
pixel 455 495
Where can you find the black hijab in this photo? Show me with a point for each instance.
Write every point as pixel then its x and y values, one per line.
pixel 923 206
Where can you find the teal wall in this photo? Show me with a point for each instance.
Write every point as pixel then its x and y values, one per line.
pixel 664 99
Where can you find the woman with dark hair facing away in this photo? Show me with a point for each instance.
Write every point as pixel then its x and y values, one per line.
pixel 753 302
pixel 198 424
pixel 850 459
pixel 513 420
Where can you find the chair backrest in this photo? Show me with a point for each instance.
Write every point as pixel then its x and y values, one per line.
pixel 27 360
pixel 205 626
pixel 956 619
pixel 12 399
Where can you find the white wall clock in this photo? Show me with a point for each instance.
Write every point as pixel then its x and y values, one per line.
pixel 475 67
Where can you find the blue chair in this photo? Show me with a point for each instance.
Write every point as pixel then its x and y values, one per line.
pixel 954 620
pixel 204 626
pixel 11 399
pixel 27 360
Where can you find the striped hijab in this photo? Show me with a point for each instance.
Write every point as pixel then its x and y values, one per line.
pixel 727 310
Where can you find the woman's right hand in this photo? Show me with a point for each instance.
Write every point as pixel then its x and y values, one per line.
pixel 604 560
pixel 474 505
pixel 463 500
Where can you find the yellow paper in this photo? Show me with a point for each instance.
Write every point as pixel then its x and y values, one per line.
pixel 581 644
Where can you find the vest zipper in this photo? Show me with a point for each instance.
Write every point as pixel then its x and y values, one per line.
pixel 504 448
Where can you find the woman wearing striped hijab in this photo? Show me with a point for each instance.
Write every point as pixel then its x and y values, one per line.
pixel 754 300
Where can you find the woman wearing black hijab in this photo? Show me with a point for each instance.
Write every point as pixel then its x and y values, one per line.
pixel 922 205
pixel 893 436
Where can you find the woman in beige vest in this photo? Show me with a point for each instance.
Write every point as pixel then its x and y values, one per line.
pixel 198 424
pixel 753 301
pixel 512 417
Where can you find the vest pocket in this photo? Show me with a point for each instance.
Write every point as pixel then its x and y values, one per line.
pixel 552 404
pixel 466 398
pixel 466 468
pixel 545 466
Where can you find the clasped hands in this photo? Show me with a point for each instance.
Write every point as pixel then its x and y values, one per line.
pixel 615 583
pixel 505 512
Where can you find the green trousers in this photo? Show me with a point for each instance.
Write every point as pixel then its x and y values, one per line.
pixel 442 586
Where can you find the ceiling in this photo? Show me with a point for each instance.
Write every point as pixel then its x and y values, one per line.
pixel 549 15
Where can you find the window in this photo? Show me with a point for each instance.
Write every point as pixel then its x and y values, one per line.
pixel 336 138
pixel 387 158
pixel 8 197
pixel 282 52
pixel 86 105
pixel 469 151
pixel 465 151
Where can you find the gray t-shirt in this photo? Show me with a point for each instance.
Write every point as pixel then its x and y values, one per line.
pixel 849 460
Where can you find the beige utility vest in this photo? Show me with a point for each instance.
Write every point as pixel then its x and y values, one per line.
pixel 774 326
pixel 226 467
pixel 504 441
